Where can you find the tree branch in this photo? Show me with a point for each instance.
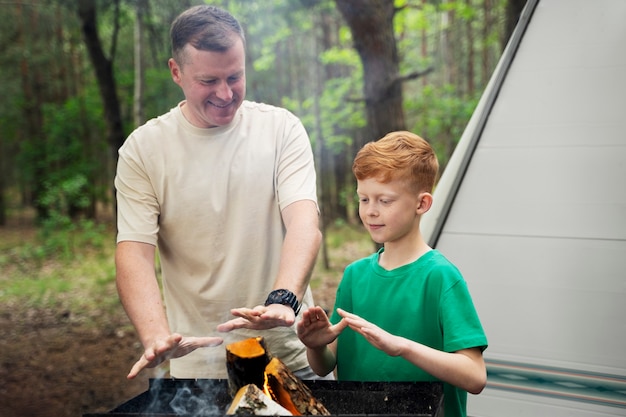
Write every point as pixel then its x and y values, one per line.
pixel 414 75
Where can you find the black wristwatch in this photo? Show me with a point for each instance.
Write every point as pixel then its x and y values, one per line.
pixel 284 297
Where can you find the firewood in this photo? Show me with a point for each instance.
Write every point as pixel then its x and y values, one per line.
pixel 289 391
pixel 245 363
pixel 249 362
pixel 250 400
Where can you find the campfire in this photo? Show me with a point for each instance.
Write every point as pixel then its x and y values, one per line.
pixel 259 384
pixel 263 385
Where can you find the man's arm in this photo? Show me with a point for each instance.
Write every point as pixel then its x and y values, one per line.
pixel 140 295
pixel 298 255
pixel 139 291
pixel 300 247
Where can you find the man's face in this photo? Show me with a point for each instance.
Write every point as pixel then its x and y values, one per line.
pixel 214 84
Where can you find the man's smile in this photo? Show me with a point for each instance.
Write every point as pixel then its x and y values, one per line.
pixel 220 106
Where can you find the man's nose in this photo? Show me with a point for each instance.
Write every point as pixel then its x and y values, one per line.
pixel 224 92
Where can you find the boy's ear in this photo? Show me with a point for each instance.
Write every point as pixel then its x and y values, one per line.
pixel 425 202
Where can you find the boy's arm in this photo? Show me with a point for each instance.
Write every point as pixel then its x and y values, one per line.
pixel 322 360
pixel 464 369
pixel 320 338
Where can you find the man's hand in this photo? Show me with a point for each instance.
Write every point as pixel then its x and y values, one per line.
pixel 174 346
pixel 315 330
pixel 259 318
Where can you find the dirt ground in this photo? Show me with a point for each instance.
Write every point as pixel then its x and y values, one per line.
pixel 53 364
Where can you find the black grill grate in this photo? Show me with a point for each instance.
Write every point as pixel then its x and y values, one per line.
pixel 209 397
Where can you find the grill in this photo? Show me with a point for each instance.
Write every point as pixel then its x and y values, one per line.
pixel 209 397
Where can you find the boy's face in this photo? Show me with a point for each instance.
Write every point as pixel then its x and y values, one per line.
pixel 389 211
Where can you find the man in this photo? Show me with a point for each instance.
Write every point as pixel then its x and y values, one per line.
pixel 226 189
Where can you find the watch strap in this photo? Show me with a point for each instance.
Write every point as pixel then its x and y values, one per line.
pixel 284 297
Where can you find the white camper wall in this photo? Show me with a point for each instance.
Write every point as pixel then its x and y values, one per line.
pixel 538 223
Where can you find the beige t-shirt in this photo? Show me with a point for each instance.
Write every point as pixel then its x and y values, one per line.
pixel 211 200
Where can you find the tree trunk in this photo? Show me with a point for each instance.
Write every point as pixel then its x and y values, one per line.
pixel 138 113
pixel 471 87
pixel 104 74
pixel 487 66
pixel 320 145
pixel 32 110
pixel 371 24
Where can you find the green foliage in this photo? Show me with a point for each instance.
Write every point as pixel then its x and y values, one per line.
pixel 342 114
pixel 340 106
pixel 340 234
pixel 300 55
pixel 442 115
pixel 341 56
pixel 58 238
pixel 163 93
pixel 63 196
pixel 345 245
pixel 37 275
pixel 460 8
pixel 59 235
pixel 62 164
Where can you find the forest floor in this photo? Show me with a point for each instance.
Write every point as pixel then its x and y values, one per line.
pixel 59 361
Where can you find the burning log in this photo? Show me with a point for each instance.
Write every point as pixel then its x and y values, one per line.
pixel 250 400
pixel 249 362
pixel 289 391
pixel 245 363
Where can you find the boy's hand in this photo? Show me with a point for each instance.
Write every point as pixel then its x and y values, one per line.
pixel 379 338
pixel 315 330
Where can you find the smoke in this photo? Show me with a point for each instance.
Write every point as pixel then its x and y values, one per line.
pixel 193 397
pixel 186 403
pixel 190 398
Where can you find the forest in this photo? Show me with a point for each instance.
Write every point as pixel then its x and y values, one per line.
pixel 79 76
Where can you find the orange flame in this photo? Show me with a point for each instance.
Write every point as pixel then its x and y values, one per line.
pixel 278 394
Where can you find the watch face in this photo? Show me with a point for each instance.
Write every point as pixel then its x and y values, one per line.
pixel 283 294
pixel 284 297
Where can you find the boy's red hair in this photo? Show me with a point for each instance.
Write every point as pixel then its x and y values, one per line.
pixel 402 156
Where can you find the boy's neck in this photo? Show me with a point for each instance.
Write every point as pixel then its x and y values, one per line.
pixel 397 255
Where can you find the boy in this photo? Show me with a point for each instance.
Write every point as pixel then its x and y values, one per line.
pixel 404 313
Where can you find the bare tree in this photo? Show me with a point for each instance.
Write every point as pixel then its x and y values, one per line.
pixel 103 67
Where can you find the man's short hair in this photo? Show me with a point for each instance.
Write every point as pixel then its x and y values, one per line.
pixel 207 28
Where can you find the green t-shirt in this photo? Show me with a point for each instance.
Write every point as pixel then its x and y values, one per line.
pixel 426 301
